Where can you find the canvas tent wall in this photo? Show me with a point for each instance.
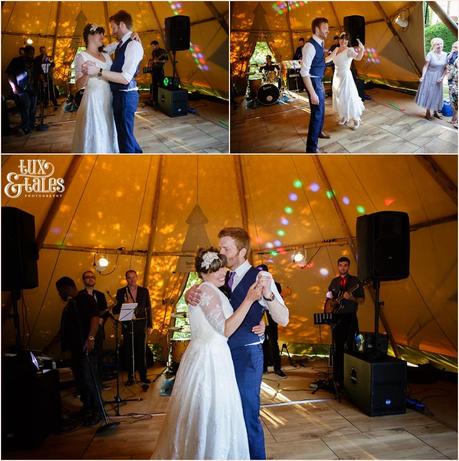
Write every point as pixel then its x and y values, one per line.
pixel 59 27
pixel 398 56
pixel 134 209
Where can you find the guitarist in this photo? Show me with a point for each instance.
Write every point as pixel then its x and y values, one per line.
pixel 348 289
pixel 156 64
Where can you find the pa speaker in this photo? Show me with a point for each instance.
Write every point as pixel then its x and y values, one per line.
pixel 19 250
pixel 173 102
pixel 383 246
pixel 377 387
pixel 177 31
pixel 355 27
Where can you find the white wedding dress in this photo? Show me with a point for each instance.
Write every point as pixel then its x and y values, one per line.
pixel 346 100
pixel 95 130
pixel 204 419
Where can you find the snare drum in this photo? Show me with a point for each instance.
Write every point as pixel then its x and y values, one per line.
pixel 268 94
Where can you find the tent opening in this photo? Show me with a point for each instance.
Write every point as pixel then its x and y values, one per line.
pixel 258 58
pixel 181 322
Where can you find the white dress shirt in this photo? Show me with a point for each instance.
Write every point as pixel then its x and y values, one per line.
pixel 308 55
pixel 132 57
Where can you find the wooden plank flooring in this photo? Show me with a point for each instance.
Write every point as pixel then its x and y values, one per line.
pixel 321 429
pixel 205 131
pixel 391 123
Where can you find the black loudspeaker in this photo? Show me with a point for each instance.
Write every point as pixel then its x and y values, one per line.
pixel 355 27
pixel 177 31
pixel 173 102
pixel 383 246
pixel 19 250
pixel 377 387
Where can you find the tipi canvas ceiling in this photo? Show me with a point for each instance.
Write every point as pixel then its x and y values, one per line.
pixel 131 209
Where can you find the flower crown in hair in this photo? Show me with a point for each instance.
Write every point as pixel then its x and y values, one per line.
pixel 208 258
pixel 94 27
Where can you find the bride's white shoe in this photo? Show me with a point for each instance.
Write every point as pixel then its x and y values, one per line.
pixel 356 124
pixel 342 121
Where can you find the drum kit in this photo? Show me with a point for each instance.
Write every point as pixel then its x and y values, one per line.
pixel 264 88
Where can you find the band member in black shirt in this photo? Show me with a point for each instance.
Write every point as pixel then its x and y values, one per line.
pixel 156 63
pixel 140 327
pixel 346 326
pixel 299 51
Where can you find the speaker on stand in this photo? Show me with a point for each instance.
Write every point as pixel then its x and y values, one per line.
pixel 354 26
pixel 172 100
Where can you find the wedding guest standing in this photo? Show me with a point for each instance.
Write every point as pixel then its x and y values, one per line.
pixel 452 81
pixel 430 91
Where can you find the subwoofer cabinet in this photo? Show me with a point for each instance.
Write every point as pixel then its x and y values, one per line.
pixel 376 386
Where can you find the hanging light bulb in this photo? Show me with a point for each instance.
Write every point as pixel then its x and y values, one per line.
pixel 298 256
pixel 102 263
pixel 29 41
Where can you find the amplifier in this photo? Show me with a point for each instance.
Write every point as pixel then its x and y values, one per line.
pixel 377 387
pixel 173 102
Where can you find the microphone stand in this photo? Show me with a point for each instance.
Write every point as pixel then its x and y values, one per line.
pixel 117 400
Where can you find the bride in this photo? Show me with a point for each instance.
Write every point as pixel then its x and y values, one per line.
pixel 95 130
pixel 204 418
pixel 346 99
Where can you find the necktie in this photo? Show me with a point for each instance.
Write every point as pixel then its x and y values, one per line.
pixel 231 280
pixel 118 47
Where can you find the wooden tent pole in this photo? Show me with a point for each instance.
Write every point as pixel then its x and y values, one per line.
pixel 163 35
pixel 289 25
pixel 154 220
pixel 351 241
pixel 397 36
pixel 445 19
pixel 241 191
pixel 218 16
pixel 56 203
pixel 439 176
pixel 107 22
pixel 336 16
pixel 58 18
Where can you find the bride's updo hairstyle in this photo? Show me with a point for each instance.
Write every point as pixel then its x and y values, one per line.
pixel 343 36
pixel 209 260
pixel 91 29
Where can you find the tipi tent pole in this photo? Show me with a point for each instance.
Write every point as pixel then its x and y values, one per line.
pixel 287 15
pixel 58 19
pixel 336 16
pixel 447 21
pixel 439 176
pixel 57 201
pixel 241 191
pixel 107 22
pixel 218 16
pixel 348 234
pixel 154 220
pixel 397 36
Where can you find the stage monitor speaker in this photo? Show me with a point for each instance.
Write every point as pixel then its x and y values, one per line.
pixel 19 250
pixel 383 246
pixel 173 102
pixel 377 387
pixel 177 31
pixel 355 27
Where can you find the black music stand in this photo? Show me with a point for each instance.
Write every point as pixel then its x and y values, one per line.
pixel 117 400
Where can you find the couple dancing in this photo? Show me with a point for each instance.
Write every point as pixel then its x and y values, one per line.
pixel 105 118
pixel 215 404
pixel 346 101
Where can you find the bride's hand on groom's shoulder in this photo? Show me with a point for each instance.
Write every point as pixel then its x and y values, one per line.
pixel 193 296
pixel 135 36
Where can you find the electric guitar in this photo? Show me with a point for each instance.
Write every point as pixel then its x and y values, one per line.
pixel 334 305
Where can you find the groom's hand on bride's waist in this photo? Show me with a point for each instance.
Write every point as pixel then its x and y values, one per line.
pixel 91 68
pixel 193 296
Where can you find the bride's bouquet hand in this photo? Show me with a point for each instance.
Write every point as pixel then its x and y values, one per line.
pixel 361 45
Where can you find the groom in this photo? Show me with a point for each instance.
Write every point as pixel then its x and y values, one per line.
pixel 312 71
pixel 128 55
pixel 246 347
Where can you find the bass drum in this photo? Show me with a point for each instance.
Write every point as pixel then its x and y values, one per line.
pixel 268 94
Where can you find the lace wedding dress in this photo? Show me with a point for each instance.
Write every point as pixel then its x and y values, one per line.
pixel 204 419
pixel 95 130
pixel 346 100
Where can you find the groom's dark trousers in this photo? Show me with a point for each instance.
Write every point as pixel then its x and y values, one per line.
pixel 316 122
pixel 247 353
pixel 124 107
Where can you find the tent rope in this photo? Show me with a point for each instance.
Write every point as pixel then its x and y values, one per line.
pixel 60 251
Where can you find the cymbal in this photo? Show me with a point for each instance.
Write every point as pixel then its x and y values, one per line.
pixel 179 314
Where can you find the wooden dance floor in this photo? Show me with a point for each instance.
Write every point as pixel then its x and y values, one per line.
pixel 321 428
pixel 391 123
pixel 205 131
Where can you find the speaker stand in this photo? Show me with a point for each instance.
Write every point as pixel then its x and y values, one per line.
pixel 378 306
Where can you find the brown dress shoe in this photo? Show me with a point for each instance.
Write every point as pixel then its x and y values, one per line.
pixel 324 135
